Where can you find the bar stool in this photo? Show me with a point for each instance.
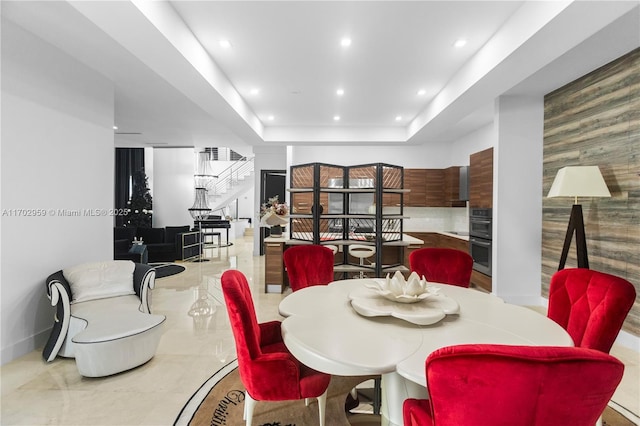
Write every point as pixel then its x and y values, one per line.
pixel 334 249
pixel 362 252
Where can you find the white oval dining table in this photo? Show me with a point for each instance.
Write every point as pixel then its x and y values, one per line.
pixel 324 332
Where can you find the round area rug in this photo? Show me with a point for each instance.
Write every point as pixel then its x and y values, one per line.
pixel 220 402
pixel 166 269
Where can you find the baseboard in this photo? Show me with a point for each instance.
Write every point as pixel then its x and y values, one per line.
pixel 24 346
pixel 628 340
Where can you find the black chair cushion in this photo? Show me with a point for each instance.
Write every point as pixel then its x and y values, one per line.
pixel 151 235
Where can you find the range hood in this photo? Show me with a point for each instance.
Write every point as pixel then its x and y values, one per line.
pixel 463 191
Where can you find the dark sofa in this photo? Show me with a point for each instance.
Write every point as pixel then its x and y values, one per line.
pixel 163 244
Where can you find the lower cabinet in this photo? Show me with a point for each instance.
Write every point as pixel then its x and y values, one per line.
pixel 275 277
pixel 481 281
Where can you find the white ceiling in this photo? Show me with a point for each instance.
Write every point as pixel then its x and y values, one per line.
pixel 176 86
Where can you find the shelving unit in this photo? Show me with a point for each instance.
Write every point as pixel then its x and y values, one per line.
pixel 190 246
pixel 360 204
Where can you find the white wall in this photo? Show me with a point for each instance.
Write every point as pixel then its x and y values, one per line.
pixel 476 141
pixel 246 207
pixel 173 192
pixel 57 154
pixel 431 155
pixel 517 201
pixel 266 158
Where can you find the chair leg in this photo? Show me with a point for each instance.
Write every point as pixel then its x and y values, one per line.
pixel 322 405
pixel 306 402
pixel 249 405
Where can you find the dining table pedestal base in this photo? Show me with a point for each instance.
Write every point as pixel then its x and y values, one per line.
pixel 395 389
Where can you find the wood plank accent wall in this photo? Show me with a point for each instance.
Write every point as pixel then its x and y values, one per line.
pixel 595 120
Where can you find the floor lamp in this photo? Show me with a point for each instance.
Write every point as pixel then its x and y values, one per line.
pixel 577 181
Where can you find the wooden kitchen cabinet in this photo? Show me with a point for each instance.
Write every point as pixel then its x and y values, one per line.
pixel 275 277
pixel 481 179
pixel 415 180
pixel 435 188
pixel 445 241
pixel 481 281
pixel 426 186
pixel 435 239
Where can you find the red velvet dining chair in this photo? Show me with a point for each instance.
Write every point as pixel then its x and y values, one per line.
pixel 590 305
pixel 308 265
pixel 267 369
pixel 442 265
pixel 501 385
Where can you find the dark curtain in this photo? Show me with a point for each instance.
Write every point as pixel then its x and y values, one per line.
pixel 128 161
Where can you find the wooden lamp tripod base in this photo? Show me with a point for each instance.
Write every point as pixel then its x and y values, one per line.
pixel 576 224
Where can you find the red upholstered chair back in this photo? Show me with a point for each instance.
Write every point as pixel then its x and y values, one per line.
pixel 500 385
pixel 267 369
pixel 590 305
pixel 442 265
pixel 308 265
pixel 242 317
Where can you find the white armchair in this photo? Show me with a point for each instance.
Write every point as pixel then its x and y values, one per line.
pixel 102 317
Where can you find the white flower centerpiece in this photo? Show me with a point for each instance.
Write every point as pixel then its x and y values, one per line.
pixel 397 289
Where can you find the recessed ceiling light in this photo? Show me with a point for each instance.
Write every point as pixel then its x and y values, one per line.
pixel 336 118
pixel 422 92
pixel 345 42
pixel 398 117
pixel 459 42
pixel 115 127
pixel 340 92
pixel 270 118
pixel 254 91
pixel 225 44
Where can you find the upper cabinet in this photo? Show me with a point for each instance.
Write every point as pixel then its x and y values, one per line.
pixel 481 179
pixel 433 187
pixel 415 180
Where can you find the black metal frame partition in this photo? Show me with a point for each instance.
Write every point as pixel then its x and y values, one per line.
pixel 310 227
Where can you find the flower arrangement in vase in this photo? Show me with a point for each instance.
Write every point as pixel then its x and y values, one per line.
pixel 274 214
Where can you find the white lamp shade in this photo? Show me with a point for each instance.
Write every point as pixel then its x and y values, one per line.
pixel 579 181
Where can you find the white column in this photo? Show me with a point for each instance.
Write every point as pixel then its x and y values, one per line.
pixel 517 201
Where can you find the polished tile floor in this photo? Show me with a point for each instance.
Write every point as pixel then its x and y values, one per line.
pixel 197 342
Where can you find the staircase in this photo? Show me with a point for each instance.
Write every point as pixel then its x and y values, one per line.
pixel 231 183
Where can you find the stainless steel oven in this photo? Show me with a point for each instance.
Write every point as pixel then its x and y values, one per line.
pixel 480 239
pixel 481 253
pixel 480 223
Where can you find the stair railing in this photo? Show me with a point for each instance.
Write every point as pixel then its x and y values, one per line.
pixel 230 176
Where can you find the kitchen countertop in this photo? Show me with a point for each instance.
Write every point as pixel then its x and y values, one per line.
pixel 406 241
pixel 462 236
